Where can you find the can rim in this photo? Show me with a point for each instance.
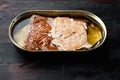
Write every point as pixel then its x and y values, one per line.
pixel 58 11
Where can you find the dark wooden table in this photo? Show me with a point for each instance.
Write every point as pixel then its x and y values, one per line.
pixel 100 64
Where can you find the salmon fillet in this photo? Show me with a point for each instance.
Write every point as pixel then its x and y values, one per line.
pixel 68 34
pixel 38 38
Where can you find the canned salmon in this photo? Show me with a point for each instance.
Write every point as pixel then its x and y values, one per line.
pixel 57 30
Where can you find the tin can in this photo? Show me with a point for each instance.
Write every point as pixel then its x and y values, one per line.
pixel 23 18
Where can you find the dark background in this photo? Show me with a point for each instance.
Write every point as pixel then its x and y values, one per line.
pixel 100 64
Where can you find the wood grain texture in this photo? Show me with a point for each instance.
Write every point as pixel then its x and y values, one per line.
pixel 100 64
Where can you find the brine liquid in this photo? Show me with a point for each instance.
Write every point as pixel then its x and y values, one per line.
pixel 20 32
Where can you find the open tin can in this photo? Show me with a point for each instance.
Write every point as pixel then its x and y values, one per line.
pixel 23 20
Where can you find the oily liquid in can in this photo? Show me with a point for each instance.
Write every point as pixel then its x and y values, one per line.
pixel 20 32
